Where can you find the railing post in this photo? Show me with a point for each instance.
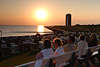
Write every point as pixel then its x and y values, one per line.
pixel 1 34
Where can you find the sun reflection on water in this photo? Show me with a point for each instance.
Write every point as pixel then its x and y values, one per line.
pixel 40 28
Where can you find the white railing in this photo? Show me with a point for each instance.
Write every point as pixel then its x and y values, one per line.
pixel 32 62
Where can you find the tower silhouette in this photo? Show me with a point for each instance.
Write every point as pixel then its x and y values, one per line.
pixel 68 20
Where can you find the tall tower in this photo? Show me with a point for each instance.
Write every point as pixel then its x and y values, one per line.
pixel 68 20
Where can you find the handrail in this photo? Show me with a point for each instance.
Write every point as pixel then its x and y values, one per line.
pixel 25 64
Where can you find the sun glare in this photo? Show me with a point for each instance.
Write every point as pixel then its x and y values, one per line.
pixel 40 14
pixel 40 28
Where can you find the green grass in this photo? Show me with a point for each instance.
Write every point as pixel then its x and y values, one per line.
pixel 17 60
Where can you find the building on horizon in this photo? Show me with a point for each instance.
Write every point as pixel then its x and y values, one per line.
pixel 68 20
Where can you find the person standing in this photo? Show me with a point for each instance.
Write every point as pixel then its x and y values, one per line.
pixel 93 41
pixel 82 51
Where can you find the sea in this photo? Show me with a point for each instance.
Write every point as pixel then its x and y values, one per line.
pixel 21 30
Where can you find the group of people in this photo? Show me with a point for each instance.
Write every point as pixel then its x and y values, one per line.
pixel 49 52
pixel 57 48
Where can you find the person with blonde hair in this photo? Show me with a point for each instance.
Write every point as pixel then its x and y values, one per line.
pixel 59 50
pixel 58 46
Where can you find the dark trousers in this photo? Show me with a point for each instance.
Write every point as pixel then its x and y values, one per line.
pixel 84 60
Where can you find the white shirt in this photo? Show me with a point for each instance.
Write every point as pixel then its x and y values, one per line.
pixel 47 53
pixel 59 51
pixel 82 48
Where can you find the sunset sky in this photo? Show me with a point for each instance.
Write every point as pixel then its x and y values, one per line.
pixel 22 12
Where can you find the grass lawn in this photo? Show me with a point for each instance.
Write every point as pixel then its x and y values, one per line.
pixel 17 60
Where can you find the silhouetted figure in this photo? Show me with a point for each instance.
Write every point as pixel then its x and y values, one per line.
pixel 37 38
pixel 92 41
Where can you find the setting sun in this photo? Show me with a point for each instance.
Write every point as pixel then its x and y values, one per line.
pixel 40 14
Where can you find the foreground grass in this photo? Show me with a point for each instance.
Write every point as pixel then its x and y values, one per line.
pixel 17 60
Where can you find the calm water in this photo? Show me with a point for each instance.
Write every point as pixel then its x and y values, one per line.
pixel 20 30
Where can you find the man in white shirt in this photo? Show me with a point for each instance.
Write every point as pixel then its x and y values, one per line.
pixel 82 46
pixel 82 50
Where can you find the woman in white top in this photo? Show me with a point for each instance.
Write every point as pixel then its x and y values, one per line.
pixel 46 53
pixel 59 50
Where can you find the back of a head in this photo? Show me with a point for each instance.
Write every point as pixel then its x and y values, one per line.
pixel 72 38
pixel 47 44
pixel 94 36
pixel 82 37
